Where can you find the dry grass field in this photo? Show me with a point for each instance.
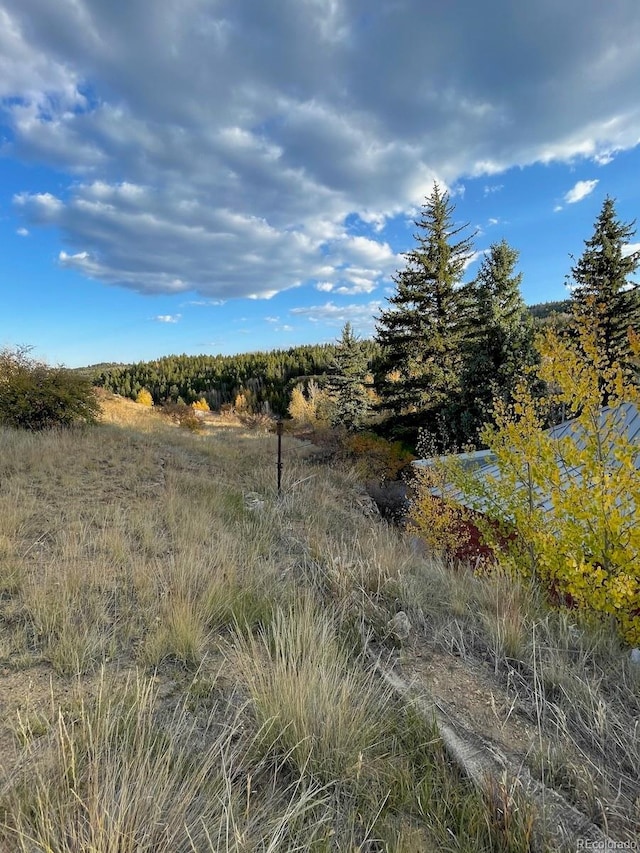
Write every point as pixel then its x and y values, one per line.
pixel 184 667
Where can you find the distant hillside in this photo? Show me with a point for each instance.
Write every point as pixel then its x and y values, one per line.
pixel 543 310
pixel 266 379
pixel 93 371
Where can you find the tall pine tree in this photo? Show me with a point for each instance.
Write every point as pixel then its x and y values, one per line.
pixel 421 332
pixel 500 341
pixel 348 381
pixel 603 295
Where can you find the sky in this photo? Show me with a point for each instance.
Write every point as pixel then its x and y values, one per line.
pixel 223 176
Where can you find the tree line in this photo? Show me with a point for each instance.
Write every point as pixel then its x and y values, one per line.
pixel 263 380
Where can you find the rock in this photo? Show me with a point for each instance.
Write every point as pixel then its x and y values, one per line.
pixel 367 506
pixel 253 502
pixel 399 627
pixel 635 656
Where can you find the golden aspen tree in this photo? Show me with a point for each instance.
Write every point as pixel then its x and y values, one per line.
pixel 561 504
pixel 144 398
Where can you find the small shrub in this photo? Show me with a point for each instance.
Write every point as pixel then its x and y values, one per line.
pixel 241 404
pixel 201 405
pixel 144 398
pixel 439 523
pixel 313 409
pixel 381 459
pixel 35 396
pixel 257 422
pixel 182 415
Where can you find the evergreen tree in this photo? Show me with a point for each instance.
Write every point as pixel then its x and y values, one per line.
pixel 500 339
pixel 421 333
pixel 603 296
pixel 347 382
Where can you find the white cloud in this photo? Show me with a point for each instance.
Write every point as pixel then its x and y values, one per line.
pixel 360 316
pixel 605 157
pixel 168 318
pixel 222 149
pixel 69 260
pixel 358 286
pixel 474 256
pixel 630 249
pixel 22 232
pixel 581 190
pixel 367 250
pixel 42 208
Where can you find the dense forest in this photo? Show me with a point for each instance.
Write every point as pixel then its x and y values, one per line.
pixel 264 379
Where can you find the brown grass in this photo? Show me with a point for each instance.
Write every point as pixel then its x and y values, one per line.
pixel 254 722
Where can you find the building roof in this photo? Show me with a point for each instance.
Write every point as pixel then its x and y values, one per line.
pixel 621 420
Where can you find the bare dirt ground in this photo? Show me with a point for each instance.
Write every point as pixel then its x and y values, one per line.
pixel 471 696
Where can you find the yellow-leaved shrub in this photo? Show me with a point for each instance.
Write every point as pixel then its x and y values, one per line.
pixel 144 398
pixel 440 523
pixel 378 458
pixel 570 500
pixel 312 409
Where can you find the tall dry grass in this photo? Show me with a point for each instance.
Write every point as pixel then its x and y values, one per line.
pixel 135 546
pixel 115 774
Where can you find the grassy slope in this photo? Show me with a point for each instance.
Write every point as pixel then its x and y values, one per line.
pixel 181 669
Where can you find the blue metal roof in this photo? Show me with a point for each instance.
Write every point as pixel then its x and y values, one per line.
pixel 623 419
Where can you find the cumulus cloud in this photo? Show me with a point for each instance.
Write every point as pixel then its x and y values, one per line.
pixel 22 232
pixel 223 147
pixel 581 190
pixel 630 249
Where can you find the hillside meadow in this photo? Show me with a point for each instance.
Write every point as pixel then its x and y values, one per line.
pixel 187 661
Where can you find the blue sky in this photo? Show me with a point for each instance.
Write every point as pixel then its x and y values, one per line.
pixel 232 175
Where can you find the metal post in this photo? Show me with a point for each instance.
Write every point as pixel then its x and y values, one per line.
pixel 279 431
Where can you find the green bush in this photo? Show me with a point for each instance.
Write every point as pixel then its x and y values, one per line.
pixel 35 396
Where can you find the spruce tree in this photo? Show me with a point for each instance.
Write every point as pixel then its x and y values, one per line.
pixel 422 331
pixel 347 382
pixel 500 339
pixel 603 295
